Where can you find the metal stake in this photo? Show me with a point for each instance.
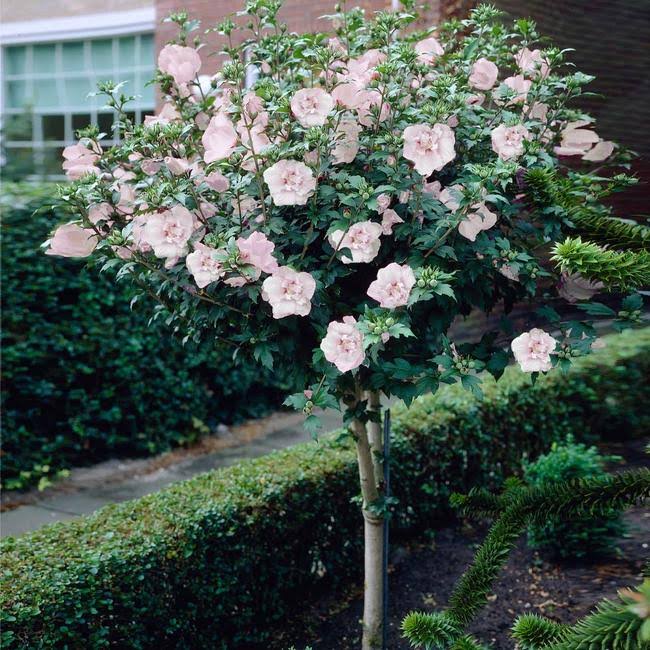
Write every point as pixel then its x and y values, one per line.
pixel 386 496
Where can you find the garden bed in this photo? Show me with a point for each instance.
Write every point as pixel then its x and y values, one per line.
pixel 422 577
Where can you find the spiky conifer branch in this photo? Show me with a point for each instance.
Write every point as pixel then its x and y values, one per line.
pixel 613 625
pixel 532 631
pixel 591 219
pixel 518 506
pixel 623 270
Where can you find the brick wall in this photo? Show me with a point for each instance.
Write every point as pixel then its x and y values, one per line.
pixel 611 39
pixel 300 15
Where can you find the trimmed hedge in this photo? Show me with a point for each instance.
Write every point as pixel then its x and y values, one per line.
pixel 84 376
pixel 217 561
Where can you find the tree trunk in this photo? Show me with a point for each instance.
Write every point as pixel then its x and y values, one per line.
pixel 375 436
pixel 373 528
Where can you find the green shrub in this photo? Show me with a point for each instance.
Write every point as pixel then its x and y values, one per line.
pixel 217 561
pixel 84 377
pixel 577 538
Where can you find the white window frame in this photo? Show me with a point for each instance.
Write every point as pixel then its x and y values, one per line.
pixel 84 28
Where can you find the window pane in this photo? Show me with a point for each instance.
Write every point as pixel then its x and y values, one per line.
pixel 53 127
pixel 44 58
pixel 52 161
pixel 80 121
pixel 146 51
pixel 126 49
pixel 16 60
pixel 46 93
pixel 18 127
pixel 105 122
pixel 101 55
pixel 73 57
pixel 148 96
pixel 17 94
pixel 129 87
pixel 76 91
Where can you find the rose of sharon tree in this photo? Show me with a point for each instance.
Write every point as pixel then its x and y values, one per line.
pixel 336 215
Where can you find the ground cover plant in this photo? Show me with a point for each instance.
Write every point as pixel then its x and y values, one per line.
pixel 329 204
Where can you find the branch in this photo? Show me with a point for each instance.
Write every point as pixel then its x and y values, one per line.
pixel 625 270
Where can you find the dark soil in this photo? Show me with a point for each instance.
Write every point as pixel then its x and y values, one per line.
pixel 422 577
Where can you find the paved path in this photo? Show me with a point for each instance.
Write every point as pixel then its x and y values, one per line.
pixel 114 481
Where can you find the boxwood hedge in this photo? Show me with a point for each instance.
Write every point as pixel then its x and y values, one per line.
pixel 84 377
pixel 219 560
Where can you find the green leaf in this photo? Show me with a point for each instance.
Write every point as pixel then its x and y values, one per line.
pixel 597 309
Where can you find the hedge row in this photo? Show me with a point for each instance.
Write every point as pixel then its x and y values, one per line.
pixel 84 377
pixel 219 560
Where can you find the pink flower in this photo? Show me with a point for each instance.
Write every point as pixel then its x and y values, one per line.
pixel 253 122
pixel 475 222
pixel 389 218
pixel 203 266
pixel 538 111
pixel 475 100
pixel 100 212
pixel 311 106
pixel 393 285
pixel 576 141
pixel 257 250
pixel 79 161
pixel 601 151
pixel 177 166
pixel 71 240
pixel 533 350
pixel 484 74
pixel 167 114
pixel 532 62
pixel 432 188
pixel 383 201
pixel 508 141
pixel 150 166
pixel 126 204
pixel 520 85
pixel 289 292
pixel 362 239
pixel 180 62
pixel 368 99
pixel 290 182
pixel 451 196
pixel 137 233
pixel 217 181
pixel 575 288
pixel 343 344
pixel 219 139
pixel 347 141
pixel 428 50
pixel 429 148
pixel 508 272
pixel 168 232
pixel 244 205
pixel 347 94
